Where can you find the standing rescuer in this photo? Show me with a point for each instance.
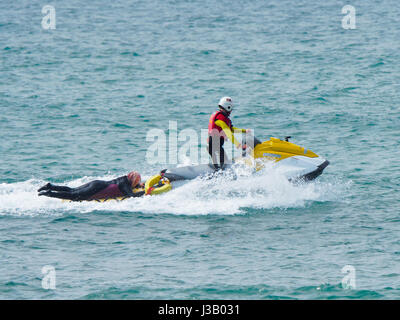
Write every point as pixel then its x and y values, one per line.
pixel 219 129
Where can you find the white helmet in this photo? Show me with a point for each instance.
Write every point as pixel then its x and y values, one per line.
pixel 226 103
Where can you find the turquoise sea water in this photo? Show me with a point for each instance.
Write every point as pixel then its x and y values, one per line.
pixel 77 102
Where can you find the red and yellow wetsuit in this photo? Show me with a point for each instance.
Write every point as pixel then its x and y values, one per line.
pixel 220 128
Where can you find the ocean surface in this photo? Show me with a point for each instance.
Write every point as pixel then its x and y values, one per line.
pixel 77 103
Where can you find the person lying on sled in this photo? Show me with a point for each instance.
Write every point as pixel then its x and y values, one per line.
pixel 97 189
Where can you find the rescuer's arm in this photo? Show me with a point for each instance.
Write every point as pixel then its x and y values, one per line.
pixel 227 131
pixel 239 129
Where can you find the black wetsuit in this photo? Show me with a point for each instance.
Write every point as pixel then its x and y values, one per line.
pixel 219 150
pixel 97 189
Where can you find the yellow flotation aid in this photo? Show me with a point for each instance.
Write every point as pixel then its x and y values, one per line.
pixel 97 200
pixel 157 185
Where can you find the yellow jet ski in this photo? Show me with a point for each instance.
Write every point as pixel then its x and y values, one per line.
pixel 293 161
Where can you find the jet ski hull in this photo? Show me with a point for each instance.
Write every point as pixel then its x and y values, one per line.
pixel 190 172
pixel 317 172
pixel 302 168
pixel 294 169
pixel 292 161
